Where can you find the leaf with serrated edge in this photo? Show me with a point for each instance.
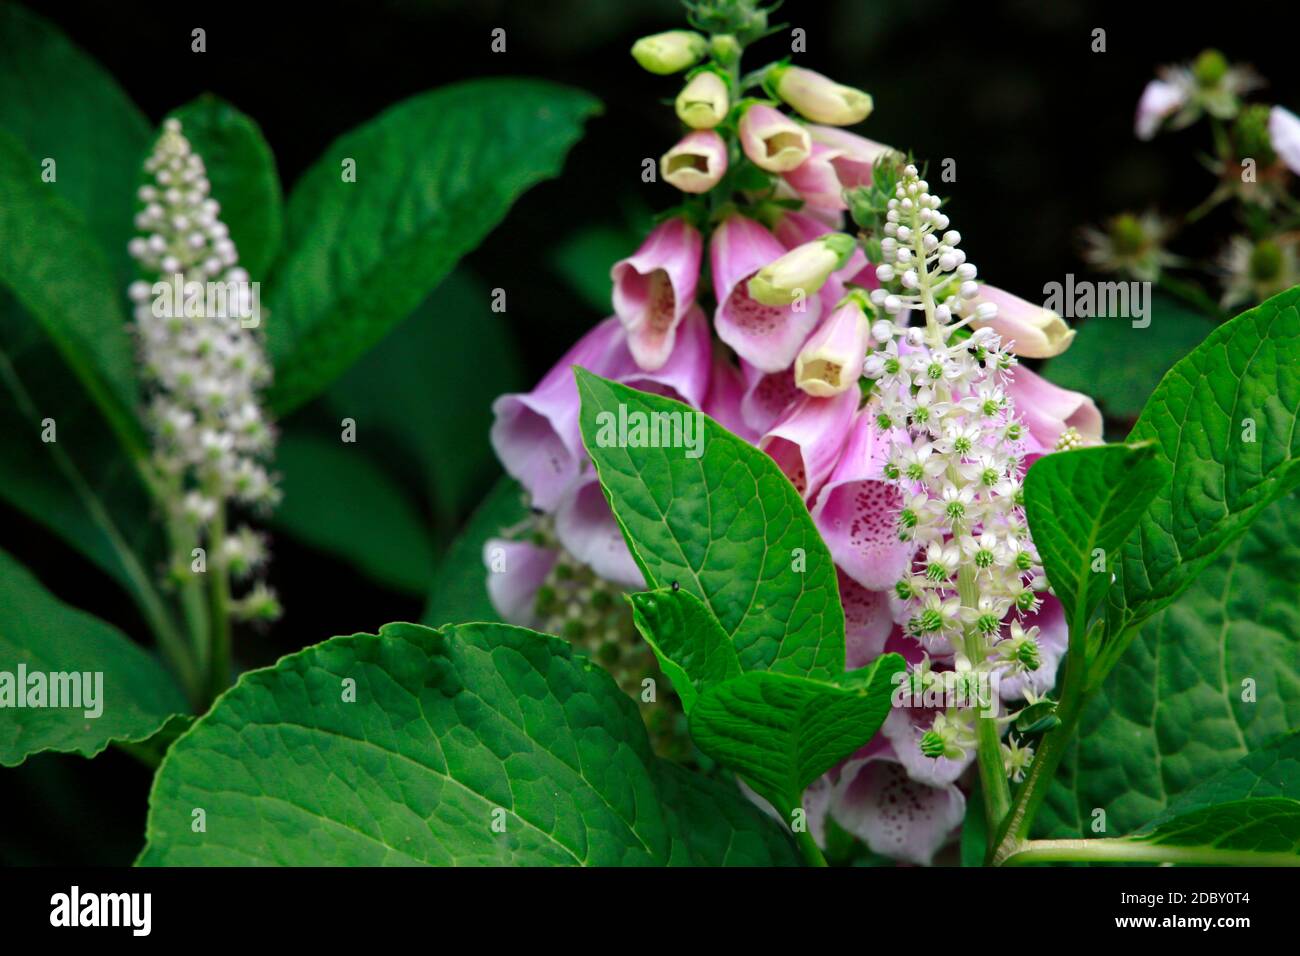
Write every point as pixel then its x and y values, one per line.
pixel 780 732
pixel 434 174
pixel 726 527
pixel 1224 471
pixel 1084 500
pixel 46 636
pixel 450 732
pixel 692 648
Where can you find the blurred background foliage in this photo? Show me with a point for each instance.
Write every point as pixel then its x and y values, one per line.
pixel 1040 126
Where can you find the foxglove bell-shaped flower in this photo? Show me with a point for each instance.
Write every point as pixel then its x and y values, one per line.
pixel 819 98
pixel 535 434
pixel 894 815
pixel 772 140
pixel 685 376
pixel 697 163
pixel 768 337
pixel 855 156
pixel 586 528
pixel 655 287
pixel 703 102
pixel 857 511
pixel 724 402
pixel 1055 418
pixel 830 361
pixel 802 271
pixel 1028 330
pixel 669 52
pixel 1284 134
pixel 516 570
pixel 817 180
pixel 867 622
pixel 805 443
pixel 767 395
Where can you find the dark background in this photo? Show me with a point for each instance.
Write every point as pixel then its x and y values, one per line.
pixel 1039 125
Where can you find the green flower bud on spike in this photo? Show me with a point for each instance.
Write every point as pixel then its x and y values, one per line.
pixel 670 52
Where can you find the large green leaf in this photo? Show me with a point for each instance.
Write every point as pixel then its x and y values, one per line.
pixel 1081 506
pixel 458 591
pixel 1119 365
pixel 434 361
pixel 692 648
pixel 337 499
pixel 1225 419
pixel 1208 682
pixel 1271 771
pixel 434 175
pixel 782 732
pixel 35 385
pixel 1261 832
pixel 51 262
pixel 61 105
pixel 45 636
pixel 726 526
pixel 241 169
pixel 450 732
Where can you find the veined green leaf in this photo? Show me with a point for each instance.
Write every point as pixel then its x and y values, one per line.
pixel 1225 419
pixel 133 695
pixel 241 169
pixel 726 526
pixel 433 175
pixel 1081 506
pixel 51 262
pixel 1210 681
pixel 1262 831
pixel 691 646
pixel 480 744
pixel 1271 771
pixel 780 732
pixel 63 106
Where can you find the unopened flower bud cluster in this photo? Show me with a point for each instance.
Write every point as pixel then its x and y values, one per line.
pixel 204 367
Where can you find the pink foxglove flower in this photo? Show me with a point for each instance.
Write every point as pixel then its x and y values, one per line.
pixel 805 443
pixel 655 287
pixel 767 395
pixel 1028 330
pixel 697 163
pixel 772 140
pixel 766 336
pixel 817 181
pixel 586 528
pixel 854 155
pixel 830 361
pixel 821 99
pixel 857 511
pixel 1055 418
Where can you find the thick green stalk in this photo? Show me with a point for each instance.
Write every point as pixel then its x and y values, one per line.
pixel 812 854
pixel 1126 850
pixel 219 633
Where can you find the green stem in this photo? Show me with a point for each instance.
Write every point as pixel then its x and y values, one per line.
pixel 147 599
pixel 988 742
pixel 812 853
pixel 1127 850
pixel 219 657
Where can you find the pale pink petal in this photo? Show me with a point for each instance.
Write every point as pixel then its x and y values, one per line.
pixel 535 434
pixel 1047 410
pixel 655 287
pixel 816 181
pixel 806 442
pixel 726 393
pixel 857 511
pixel 685 375
pixel 766 336
pixel 893 814
pixel 586 527
pixel 867 622
pixel 768 396
pixel 857 154
pixel 516 569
